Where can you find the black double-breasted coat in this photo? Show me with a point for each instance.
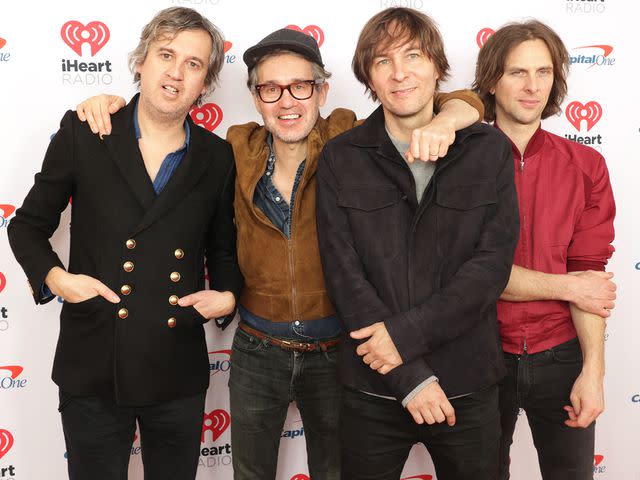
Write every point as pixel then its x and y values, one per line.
pixel 148 248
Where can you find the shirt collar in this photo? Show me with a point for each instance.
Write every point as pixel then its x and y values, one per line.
pixel 535 142
pixel 136 127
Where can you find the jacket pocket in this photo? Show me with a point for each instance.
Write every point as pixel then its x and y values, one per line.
pixel 375 218
pixel 460 215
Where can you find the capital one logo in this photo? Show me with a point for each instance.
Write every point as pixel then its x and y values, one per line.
pixel 227 46
pixel 215 422
pixel 6 442
pixel 219 361
pixel 598 467
pixel 483 35
pixel 208 116
pixel 3 42
pixel 75 34
pixel 3 282
pixel 6 210
pixel 576 112
pixel 311 30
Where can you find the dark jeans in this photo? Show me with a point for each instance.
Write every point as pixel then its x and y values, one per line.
pixel 99 435
pixel 263 380
pixel 541 384
pixel 377 435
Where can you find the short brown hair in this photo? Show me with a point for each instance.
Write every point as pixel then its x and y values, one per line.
pixel 493 56
pixel 391 27
pixel 169 23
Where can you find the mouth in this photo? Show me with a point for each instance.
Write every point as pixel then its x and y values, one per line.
pixel 289 116
pixel 404 91
pixel 529 103
pixel 170 89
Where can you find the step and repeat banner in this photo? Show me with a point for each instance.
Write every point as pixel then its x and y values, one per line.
pixel 55 54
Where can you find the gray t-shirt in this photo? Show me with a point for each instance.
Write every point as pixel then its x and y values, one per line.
pixel 422 171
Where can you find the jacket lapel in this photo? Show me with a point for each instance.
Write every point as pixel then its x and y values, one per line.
pixel 186 176
pixel 123 147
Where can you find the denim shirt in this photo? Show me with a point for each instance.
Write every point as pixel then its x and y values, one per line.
pixel 268 199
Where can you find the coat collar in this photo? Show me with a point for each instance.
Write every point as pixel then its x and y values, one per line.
pixel 123 147
pixel 535 142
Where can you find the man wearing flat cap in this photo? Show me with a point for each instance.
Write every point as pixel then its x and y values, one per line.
pixel 285 347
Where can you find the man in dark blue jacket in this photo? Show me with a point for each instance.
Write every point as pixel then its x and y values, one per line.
pixel 415 256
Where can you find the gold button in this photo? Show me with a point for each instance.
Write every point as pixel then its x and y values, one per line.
pixel 125 289
pixel 123 313
pixel 128 266
pixel 131 244
pixel 179 253
pixel 175 277
pixel 173 299
pixel 171 322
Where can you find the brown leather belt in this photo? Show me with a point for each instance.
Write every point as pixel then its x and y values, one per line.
pixel 289 344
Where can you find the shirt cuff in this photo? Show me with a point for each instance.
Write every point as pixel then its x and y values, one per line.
pixel 45 293
pixel 415 391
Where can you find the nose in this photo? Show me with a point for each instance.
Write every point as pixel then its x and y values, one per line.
pixel 175 71
pixel 399 72
pixel 286 100
pixel 531 84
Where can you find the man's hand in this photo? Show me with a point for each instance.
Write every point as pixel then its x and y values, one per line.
pixel 593 292
pixel 431 405
pixel 587 400
pixel 378 352
pixel 210 303
pixel 77 288
pixel 98 110
pixel 432 142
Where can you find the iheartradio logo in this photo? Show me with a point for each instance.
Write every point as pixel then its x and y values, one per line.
pixel 6 442
pixel 208 116
pixel 75 34
pixel 576 112
pixel 3 283
pixel 483 35
pixel 215 422
pixel 311 30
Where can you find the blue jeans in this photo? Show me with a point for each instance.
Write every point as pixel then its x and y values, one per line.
pixel 263 380
pixel 541 384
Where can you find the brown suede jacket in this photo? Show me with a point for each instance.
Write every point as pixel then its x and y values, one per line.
pixel 283 277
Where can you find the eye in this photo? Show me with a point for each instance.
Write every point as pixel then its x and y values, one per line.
pixel 413 55
pixel 194 65
pixel 270 88
pixel 165 55
pixel 383 61
pixel 298 86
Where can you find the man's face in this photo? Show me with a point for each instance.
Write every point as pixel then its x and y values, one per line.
pixel 404 79
pixel 289 120
pixel 173 73
pixel 523 90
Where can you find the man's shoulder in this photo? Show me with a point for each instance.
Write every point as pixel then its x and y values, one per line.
pixel 482 135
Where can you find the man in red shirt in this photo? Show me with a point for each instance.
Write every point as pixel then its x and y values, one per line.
pixel 552 313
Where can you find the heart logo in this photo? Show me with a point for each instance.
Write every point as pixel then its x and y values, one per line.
pixel 3 42
pixel 227 46
pixel 483 35
pixel 3 282
pixel 208 116
pixel 74 34
pixel 597 460
pixel 311 30
pixel 6 210
pixel 14 369
pixel 300 476
pixel 215 422
pixel 591 112
pixel 6 442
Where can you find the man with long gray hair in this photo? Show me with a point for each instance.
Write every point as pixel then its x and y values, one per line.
pixel 150 203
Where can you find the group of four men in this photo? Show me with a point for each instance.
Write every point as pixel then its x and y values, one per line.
pixel 371 273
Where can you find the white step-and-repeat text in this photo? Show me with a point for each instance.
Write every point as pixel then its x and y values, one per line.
pixel 45 70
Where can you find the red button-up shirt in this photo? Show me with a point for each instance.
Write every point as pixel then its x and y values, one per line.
pixel 566 225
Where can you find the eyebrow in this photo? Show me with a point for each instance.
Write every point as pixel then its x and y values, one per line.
pixel 172 51
pixel 293 80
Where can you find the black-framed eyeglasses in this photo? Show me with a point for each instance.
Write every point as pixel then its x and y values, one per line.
pixel 272 92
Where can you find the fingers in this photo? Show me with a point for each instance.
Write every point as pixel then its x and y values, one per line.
pixel 189 300
pixel 415 413
pixel 449 413
pixel 115 103
pixel 362 333
pixel 106 292
pixel 92 122
pixel 80 112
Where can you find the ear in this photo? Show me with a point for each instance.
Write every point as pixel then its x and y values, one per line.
pixel 322 93
pixel 492 91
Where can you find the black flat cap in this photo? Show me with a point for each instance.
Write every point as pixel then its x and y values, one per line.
pixel 285 39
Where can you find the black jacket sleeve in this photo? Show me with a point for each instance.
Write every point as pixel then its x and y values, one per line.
pixel 38 217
